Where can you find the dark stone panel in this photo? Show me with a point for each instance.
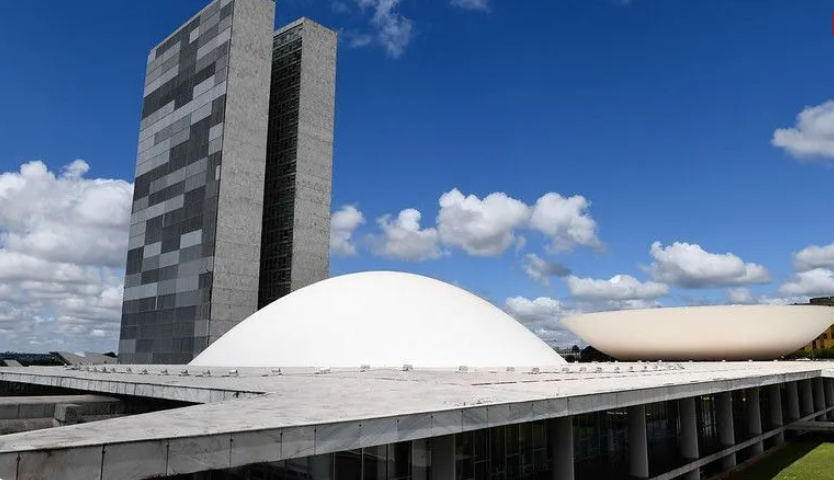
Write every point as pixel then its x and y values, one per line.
pixel 165 302
pixel 147 304
pixel 167 193
pixel 144 345
pixel 150 276
pixel 191 253
pixel 218 110
pixel 206 280
pixel 134 260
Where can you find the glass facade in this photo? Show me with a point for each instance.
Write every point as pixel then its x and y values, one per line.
pixel 295 236
pixel 280 179
pixel 170 262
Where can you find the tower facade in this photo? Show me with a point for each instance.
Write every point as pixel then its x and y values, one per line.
pixel 198 220
pixel 296 230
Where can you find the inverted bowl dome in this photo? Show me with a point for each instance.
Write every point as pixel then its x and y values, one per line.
pixel 742 332
pixel 381 319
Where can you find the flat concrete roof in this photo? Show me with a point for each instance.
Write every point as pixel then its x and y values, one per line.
pixel 257 415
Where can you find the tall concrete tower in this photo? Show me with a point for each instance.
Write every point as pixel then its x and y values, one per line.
pixel 226 132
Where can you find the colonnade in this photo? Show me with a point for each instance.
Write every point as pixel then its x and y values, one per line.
pixel 804 398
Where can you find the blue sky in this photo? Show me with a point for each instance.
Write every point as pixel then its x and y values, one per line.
pixel 664 115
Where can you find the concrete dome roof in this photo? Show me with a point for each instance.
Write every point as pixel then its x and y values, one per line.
pixel 737 332
pixel 381 319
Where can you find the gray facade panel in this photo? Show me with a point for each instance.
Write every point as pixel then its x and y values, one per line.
pixel 177 195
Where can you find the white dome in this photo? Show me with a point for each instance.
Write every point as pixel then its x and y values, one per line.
pixel 381 319
pixel 739 332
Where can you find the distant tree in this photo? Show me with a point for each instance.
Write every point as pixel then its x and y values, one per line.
pixel 591 354
pixel 575 349
pixel 110 354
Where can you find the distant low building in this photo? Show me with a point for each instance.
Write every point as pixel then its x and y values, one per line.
pixel 826 338
pixel 85 358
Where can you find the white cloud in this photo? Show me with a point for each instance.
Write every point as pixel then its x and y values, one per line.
pixel 339 7
pixel 63 241
pixel 63 219
pixel 618 288
pixel 813 135
pixel 343 224
pixel 403 239
pixel 633 304
pixel 789 300
pixel 489 226
pixel 690 266
pixel 565 221
pixel 741 295
pixel 540 270
pixel 816 282
pixel 393 31
pixel 471 4
pixel 813 257
pixel 541 316
pixel 480 227
pixel 357 40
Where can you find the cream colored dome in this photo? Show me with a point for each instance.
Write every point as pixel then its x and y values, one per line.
pixel 739 332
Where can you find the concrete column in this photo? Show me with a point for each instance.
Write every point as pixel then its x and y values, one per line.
pixel 689 434
pixel 561 430
pixel 829 391
pixel 754 419
pixel 420 459
pixel 443 458
pixel 637 442
pixel 775 397
pixel 793 401
pixel 806 398
pixel 829 396
pixel 819 397
pixel 726 433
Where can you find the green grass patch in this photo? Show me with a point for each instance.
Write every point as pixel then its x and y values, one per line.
pixel 810 458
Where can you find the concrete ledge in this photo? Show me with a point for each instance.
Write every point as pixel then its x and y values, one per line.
pixel 19 408
pixel 117 386
pixel 815 426
pixel 68 414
